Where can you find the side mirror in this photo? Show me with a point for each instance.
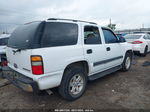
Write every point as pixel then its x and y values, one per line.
pixel 122 39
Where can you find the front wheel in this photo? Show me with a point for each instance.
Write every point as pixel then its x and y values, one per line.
pixel 73 83
pixel 126 65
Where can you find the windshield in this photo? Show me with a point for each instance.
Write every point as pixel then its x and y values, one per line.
pixel 3 41
pixel 132 36
pixel 23 36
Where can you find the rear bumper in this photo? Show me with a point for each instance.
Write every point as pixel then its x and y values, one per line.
pixel 21 81
pixel 45 81
pixel 138 48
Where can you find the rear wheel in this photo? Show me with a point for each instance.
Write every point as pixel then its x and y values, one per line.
pixel 126 65
pixel 73 83
pixel 145 51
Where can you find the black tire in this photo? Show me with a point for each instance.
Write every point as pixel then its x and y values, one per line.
pixel 64 88
pixel 145 51
pixel 124 66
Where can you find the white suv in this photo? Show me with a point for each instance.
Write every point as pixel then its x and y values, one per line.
pixel 65 54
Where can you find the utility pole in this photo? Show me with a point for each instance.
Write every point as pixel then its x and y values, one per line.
pixel 142 25
pixel 110 21
pixel 112 26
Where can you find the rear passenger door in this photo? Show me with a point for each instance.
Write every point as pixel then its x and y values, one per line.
pixel 94 49
pixel 114 53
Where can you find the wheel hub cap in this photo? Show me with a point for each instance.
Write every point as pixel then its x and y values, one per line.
pixel 76 84
pixel 128 62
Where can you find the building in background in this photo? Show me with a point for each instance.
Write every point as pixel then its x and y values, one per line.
pixel 128 31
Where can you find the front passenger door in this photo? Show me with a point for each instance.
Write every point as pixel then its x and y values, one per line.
pixel 114 53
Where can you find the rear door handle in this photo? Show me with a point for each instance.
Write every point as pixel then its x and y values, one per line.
pixel 108 49
pixel 89 51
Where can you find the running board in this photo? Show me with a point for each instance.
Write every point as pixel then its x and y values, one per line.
pixel 101 74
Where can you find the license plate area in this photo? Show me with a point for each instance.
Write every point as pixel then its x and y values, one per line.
pixel 12 75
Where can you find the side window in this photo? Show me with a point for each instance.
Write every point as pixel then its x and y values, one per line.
pixel 109 36
pixel 145 37
pixel 91 35
pixel 148 36
pixel 59 34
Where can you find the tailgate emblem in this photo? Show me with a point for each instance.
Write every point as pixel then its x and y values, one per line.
pixel 15 65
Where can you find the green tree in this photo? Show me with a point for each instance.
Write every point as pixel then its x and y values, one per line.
pixel 112 26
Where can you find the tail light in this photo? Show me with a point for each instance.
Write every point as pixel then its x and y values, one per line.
pixel 37 65
pixel 137 42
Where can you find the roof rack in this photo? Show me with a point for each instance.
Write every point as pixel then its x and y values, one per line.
pixel 30 22
pixel 71 20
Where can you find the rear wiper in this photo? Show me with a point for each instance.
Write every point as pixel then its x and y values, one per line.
pixel 15 51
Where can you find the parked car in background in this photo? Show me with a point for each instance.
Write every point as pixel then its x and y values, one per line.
pixel 65 54
pixel 3 43
pixel 140 42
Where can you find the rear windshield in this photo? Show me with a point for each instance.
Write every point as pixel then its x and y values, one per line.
pixel 132 36
pixel 3 41
pixel 48 34
pixel 59 34
pixel 23 36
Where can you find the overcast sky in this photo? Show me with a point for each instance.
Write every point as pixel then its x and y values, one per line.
pixel 126 14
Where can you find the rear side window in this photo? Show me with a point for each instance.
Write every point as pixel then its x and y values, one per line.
pixel 59 34
pixel 91 35
pixel 109 36
pixel 147 37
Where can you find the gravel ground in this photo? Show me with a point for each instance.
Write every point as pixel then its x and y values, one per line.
pixel 120 90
